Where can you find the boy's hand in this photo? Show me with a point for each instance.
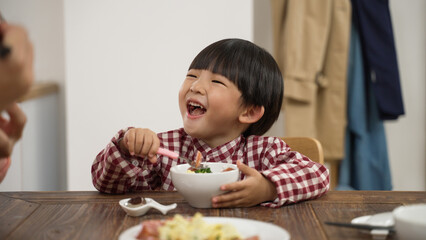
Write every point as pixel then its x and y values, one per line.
pixel 253 190
pixel 141 142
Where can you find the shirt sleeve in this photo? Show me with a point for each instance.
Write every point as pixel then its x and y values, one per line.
pixel 295 176
pixel 116 172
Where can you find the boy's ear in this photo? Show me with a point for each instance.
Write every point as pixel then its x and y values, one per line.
pixel 252 114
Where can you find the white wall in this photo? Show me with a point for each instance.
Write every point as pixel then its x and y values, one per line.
pixel 406 136
pixel 125 63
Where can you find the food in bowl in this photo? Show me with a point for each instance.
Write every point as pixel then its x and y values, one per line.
pixel 198 189
pixel 201 170
pixel 205 169
pixel 410 221
pixel 197 168
pixel 199 159
pixel 179 228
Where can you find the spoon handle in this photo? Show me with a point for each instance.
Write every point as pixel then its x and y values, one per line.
pixel 163 208
pixel 174 155
pixel 168 153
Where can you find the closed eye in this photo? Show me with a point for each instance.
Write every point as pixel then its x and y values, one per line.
pixel 219 82
pixel 191 76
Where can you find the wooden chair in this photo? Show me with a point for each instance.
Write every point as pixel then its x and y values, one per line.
pixel 309 147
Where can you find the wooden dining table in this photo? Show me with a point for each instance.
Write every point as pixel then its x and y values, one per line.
pixel 93 215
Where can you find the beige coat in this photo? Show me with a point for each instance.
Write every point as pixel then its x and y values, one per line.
pixel 311 47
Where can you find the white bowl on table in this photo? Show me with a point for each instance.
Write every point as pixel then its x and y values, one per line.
pixel 410 221
pixel 199 188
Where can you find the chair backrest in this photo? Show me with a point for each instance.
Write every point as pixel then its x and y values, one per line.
pixel 309 147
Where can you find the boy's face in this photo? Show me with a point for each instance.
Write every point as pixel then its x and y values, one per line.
pixel 210 105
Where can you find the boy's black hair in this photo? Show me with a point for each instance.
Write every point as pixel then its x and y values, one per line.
pixel 253 70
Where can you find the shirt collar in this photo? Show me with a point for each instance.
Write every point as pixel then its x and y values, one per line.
pixel 219 153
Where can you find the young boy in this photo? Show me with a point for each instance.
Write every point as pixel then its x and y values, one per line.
pixel 231 95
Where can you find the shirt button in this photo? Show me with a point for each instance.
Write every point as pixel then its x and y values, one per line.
pixel 135 162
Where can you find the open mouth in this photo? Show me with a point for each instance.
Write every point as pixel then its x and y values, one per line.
pixel 195 109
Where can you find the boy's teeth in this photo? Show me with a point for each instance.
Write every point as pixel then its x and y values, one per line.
pixel 196 109
pixel 195 105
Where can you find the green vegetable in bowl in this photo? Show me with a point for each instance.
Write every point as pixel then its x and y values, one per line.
pixel 203 170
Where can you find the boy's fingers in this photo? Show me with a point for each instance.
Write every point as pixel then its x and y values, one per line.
pixel 139 142
pixel 226 197
pixel 147 143
pixel 233 199
pixel 130 142
pixel 236 186
pixel 246 169
pixel 154 148
pixel 153 159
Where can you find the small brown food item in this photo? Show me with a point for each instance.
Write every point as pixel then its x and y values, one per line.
pixel 137 200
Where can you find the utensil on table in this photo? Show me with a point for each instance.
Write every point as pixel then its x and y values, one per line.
pixel 136 210
pixel 174 155
pixel 361 226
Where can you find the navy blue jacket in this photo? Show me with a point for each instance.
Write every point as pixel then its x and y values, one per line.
pixel 380 60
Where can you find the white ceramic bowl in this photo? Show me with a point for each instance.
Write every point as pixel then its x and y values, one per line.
pixel 410 221
pixel 199 188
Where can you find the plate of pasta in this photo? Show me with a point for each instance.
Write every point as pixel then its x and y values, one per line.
pixel 204 228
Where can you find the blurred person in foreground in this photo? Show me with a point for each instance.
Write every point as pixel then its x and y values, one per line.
pixel 16 77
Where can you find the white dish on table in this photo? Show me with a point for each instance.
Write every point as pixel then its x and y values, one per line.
pixel 247 227
pixel 384 219
pixel 139 210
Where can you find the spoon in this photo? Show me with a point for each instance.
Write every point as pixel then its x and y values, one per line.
pixel 136 210
pixel 174 155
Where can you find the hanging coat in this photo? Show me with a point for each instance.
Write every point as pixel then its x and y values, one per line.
pixel 366 164
pixel 311 48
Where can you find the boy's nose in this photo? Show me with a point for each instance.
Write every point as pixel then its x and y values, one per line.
pixel 198 87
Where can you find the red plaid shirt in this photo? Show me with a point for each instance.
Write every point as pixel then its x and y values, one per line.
pixel 295 176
